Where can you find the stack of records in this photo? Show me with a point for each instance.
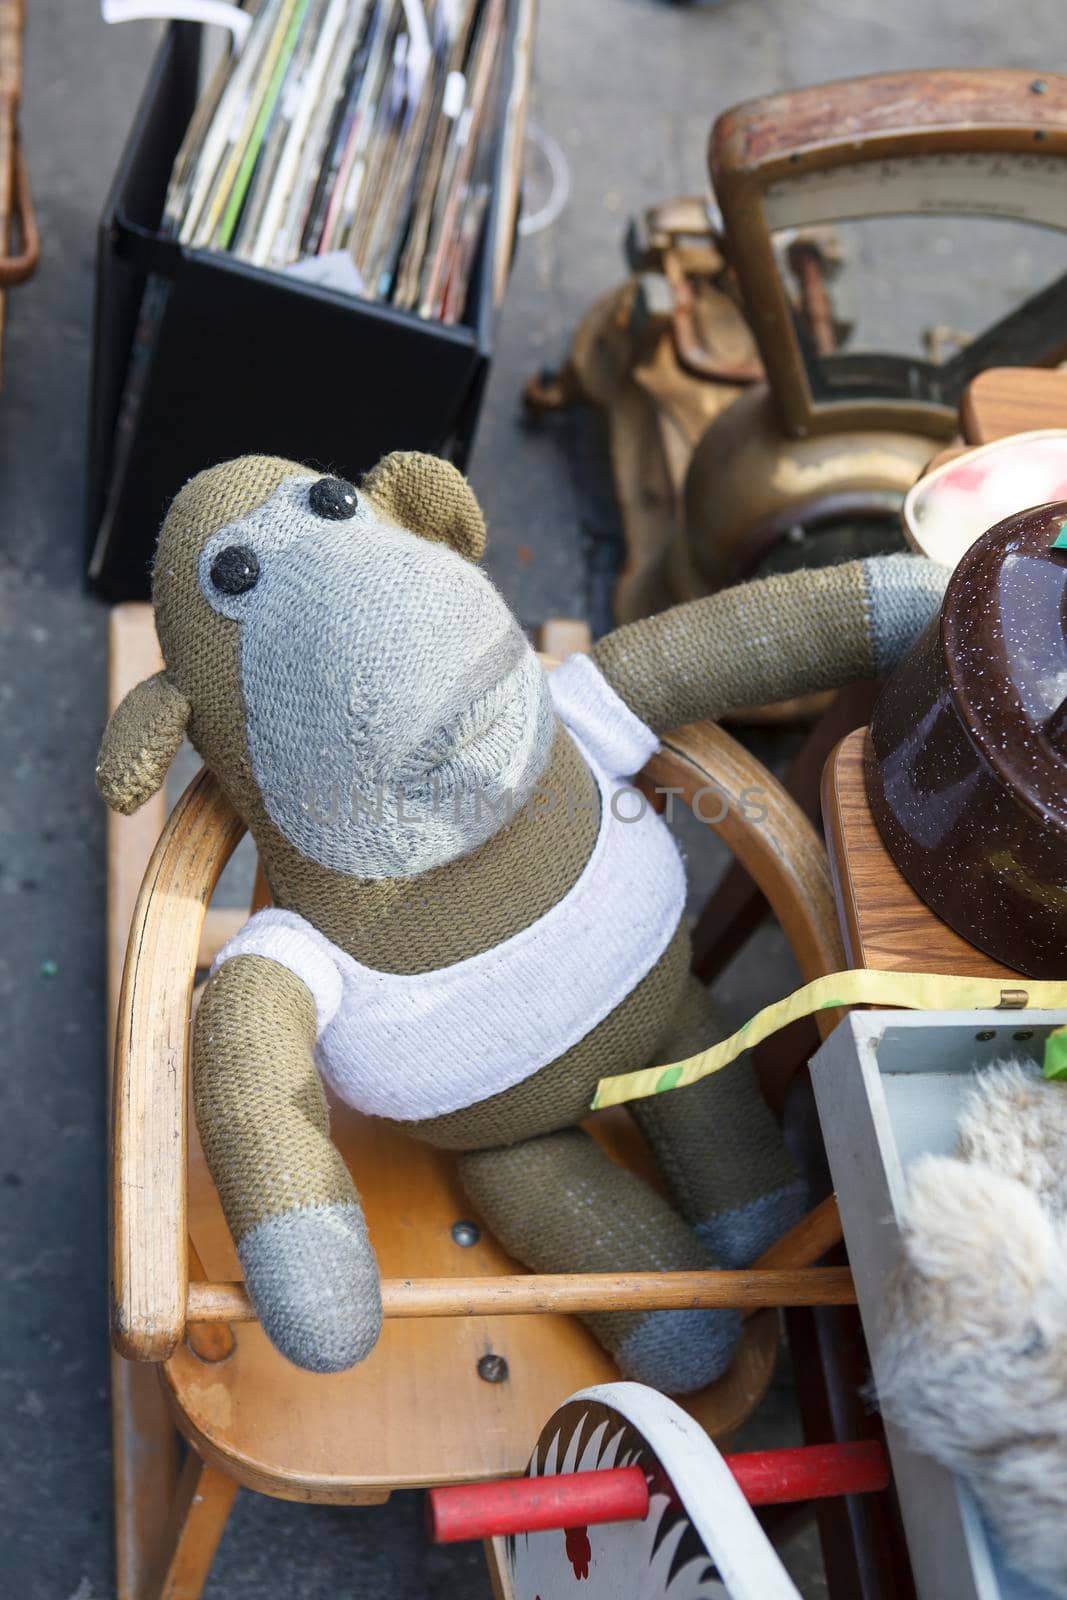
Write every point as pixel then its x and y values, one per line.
pixel 351 143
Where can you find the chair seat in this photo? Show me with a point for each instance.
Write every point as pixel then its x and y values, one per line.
pixel 416 1411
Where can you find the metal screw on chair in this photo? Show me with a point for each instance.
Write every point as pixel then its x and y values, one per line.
pixel 493 1369
pixel 465 1234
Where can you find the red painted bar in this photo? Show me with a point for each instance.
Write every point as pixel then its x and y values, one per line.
pixel 811 1472
pixel 620 1494
pixel 533 1505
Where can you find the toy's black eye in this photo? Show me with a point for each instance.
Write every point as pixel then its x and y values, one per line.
pixel 333 498
pixel 235 570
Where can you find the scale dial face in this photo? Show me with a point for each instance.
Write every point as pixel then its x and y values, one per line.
pixel 987 144
pixel 1006 186
pixel 991 183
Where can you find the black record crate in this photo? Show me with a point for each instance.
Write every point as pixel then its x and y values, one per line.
pixel 244 360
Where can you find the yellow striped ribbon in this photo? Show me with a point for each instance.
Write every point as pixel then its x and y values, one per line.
pixel 918 991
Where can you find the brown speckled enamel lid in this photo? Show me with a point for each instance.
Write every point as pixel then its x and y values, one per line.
pixel 1004 636
pixel 966 760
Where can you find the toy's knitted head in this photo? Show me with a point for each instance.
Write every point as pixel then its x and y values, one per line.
pixel 341 663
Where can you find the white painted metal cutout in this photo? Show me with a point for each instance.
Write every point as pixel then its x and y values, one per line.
pixel 700 1543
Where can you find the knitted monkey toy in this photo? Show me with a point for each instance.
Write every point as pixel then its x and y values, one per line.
pixel 468 928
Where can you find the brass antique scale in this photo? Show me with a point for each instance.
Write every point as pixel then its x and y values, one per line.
pixel 734 415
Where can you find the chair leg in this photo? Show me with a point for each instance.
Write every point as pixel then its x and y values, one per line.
pixel 202 1504
pixel 147 1461
pixel 496 1563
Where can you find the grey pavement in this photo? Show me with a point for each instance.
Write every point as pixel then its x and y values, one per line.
pixel 628 89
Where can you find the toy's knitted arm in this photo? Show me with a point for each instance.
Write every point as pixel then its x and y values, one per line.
pixel 771 639
pixel 288 1199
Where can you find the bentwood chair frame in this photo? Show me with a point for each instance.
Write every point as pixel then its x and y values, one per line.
pixel 189 1354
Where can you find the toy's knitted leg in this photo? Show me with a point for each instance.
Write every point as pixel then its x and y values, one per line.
pixel 289 1201
pixel 719 1148
pixel 558 1204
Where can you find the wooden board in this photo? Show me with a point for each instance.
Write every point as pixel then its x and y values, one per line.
pixel 1006 400
pixel 560 637
pixel 885 924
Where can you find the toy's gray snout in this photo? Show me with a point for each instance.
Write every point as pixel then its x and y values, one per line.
pixel 394 708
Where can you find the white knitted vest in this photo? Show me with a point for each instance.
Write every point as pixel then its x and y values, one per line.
pixel 410 1046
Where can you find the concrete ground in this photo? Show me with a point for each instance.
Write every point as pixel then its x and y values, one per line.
pixel 628 89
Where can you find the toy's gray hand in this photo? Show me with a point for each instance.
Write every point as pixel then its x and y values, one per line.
pixel 313 1280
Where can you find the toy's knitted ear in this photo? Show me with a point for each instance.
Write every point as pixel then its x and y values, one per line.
pixel 430 497
pixel 140 742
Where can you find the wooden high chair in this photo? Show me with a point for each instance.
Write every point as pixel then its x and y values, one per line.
pixel 429 1406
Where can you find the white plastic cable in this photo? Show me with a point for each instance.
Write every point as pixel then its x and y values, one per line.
pixel 213 11
pixel 560 174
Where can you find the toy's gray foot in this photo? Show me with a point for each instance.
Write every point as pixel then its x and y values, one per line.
pixel 739 1237
pixel 313 1280
pixel 680 1351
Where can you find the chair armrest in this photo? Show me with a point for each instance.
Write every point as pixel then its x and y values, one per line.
pixel 149 1138
pixel 767 832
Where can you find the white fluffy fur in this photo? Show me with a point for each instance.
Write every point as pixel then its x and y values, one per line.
pixel 974 1361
